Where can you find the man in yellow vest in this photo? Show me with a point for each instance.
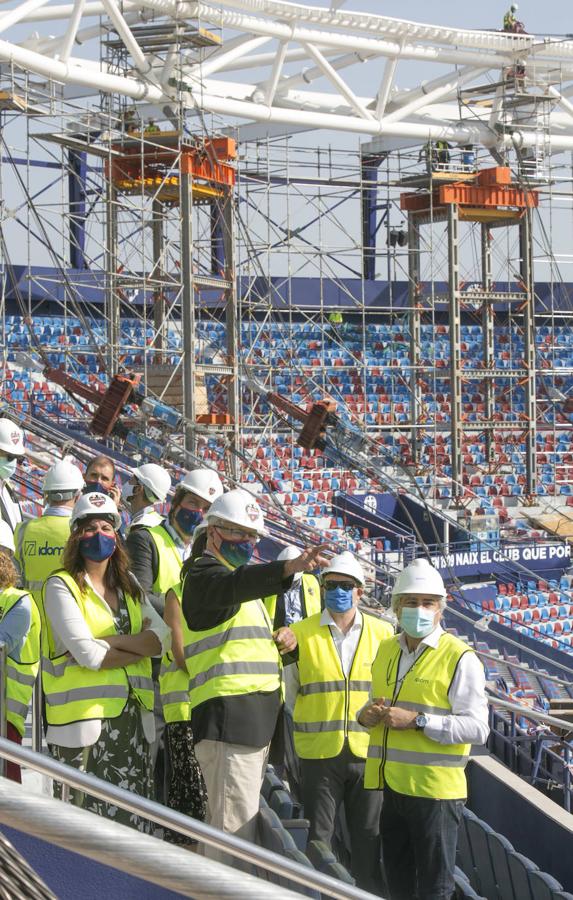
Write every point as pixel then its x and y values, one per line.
pixel 20 633
pixel 232 659
pixel 149 484
pixel 330 683
pixel 428 706
pixel 40 542
pixel 299 601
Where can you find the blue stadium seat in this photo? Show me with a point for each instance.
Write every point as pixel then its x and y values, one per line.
pixel 543 885
pixel 484 879
pixel 499 848
pixel 520 868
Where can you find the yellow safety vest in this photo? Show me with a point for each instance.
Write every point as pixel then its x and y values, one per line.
pixel 173 682
pixel 310 597
pixel 236 657
pixel 408 761
pixel 170 562
pixel 39 549
pixel 21 674
pixel 328 701
pixel 74 693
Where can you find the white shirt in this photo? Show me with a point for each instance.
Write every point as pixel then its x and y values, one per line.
pixel 64 512
pixel 147 516
pixel 184 549
pixel 468 721
pixel 345 643
pixel 72 635
pixel 9 509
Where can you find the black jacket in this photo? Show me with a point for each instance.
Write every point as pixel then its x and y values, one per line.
pixel 211 595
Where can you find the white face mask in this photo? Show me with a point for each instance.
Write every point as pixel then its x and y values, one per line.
pixel 7 468
pixel 127 492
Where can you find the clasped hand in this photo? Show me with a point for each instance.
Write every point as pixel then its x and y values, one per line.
pixel 390 716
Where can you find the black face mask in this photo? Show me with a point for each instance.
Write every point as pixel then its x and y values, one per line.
pixel 94 486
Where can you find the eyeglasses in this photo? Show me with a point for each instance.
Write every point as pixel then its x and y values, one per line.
pixel 343 585
pixel 237 535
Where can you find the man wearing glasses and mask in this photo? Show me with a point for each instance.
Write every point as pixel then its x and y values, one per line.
pixel 427 707
pixel 330 683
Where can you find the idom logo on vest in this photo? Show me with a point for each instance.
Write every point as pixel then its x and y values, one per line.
pixel 31 549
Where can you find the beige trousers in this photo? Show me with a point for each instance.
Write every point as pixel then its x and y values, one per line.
pixel 233 776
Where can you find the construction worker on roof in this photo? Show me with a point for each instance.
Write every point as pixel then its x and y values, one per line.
pixel 152 128
pixel 510 20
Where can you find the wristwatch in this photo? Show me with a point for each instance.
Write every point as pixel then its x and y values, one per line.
pixel 420 721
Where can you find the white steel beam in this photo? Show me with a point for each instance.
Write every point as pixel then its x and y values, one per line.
pixel 141 63
pixel 452 83
pixel 338 82
pixel 386 86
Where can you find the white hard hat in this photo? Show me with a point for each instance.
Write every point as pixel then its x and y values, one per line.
pixel 11 438
pixel 420 577
pixel 155 478
pixel 205 483
pixel 95 504
pixel 63 476
pixel 345 563
pixel 289 552
pixel 237 507
pixel 6 537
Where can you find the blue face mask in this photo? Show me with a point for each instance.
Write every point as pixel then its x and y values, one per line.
pixel 7 468
pixel 188 519
pixel 417 621
pixel 338 599
pixel 98 546
pixel 237 553
pixel 94 486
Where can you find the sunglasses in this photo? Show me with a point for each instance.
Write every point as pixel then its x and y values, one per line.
pixel 344 585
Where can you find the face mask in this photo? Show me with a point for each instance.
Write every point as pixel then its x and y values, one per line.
pixel 98 547
pixel 338 599
pixel 127 492
pixel 417 622
pixel 7 468
pixel 188 519
pixel 94 486
pixel 237 553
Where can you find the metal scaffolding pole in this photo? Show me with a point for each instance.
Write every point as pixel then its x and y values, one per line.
pixel 158 240
pixel 112 297
pixel 415 331
pixel 488 329
pixel 188 311
pixel 231 322
pixel 455 348
pixel 526 272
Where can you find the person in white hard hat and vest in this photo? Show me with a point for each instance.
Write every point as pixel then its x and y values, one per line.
pixel 157 553
pixel 297 602
pixel 336 649
pixel 428 706
pixel 11 451
pixel 20 633
pixel 40 542
pixel 149 484
pixel 96 669
pixel 233 658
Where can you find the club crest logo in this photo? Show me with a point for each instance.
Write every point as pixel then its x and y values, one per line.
pixel 252 511
pixel 211 491
pixel 15 437
pixel 97 500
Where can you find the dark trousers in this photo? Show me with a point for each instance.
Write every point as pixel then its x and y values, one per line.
pixel 419 839
pixel 326 784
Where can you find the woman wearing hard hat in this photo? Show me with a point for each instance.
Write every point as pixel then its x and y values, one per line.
pixel 20 633
pixel 96 671
pixel 11 451
pixel 428 706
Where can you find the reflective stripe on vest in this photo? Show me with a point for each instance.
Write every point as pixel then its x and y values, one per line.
pixel 310 598
pixel 173 682
pixel 236 657
pixel 22 673
pixel 327 703
pixel 74 693
pixel 408 761
pixel 168 558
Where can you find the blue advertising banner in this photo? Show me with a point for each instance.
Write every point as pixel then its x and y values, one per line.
pixel 505 561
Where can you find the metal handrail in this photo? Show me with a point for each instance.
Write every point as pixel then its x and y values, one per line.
pixel 139 855
pixel 529 713
pixel 3 702
pixel 191 828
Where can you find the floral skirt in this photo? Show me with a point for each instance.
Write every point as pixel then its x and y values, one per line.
pixel 187 793
pixel 122 757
